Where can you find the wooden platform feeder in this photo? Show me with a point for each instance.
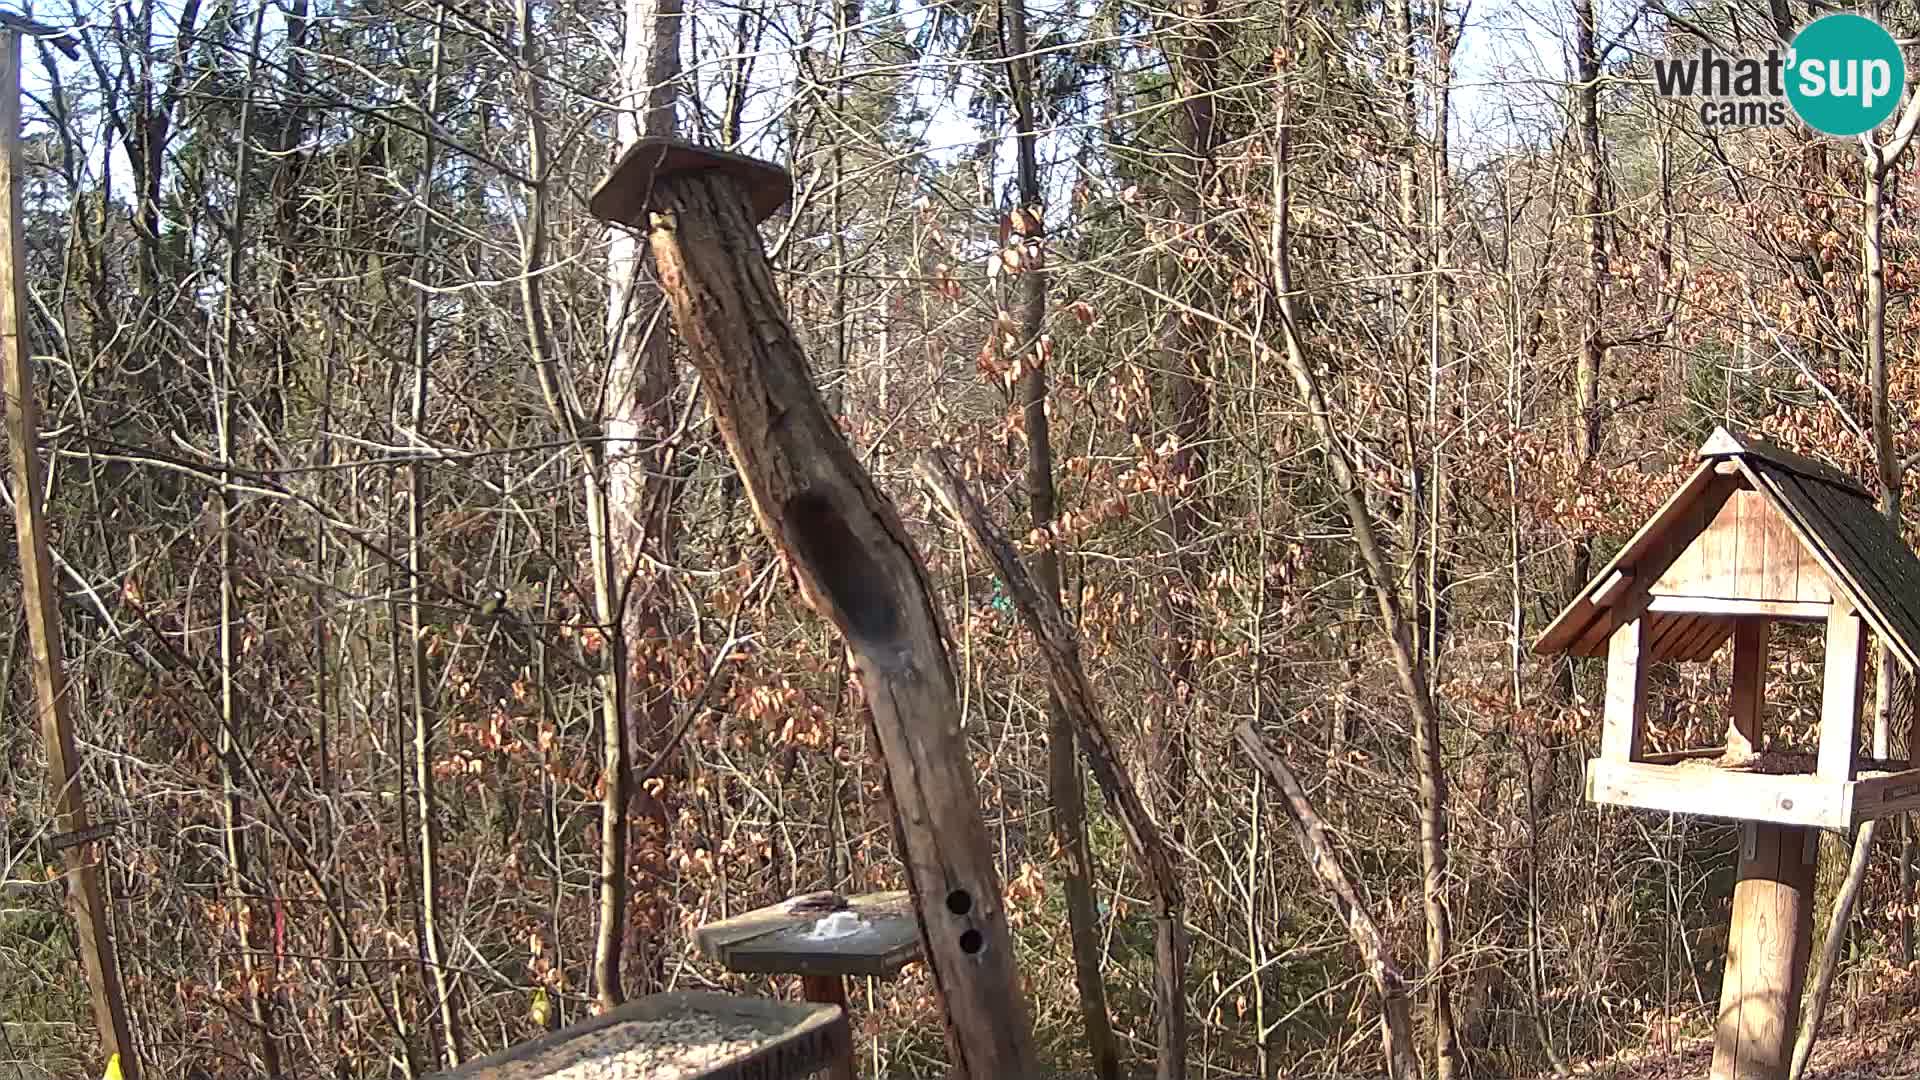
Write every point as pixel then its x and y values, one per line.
pixel 1756 535
pixel 685 1035
pixel 798 936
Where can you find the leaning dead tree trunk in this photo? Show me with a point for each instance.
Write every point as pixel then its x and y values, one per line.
pixel 1316 843
pixel 850 553
pixel 1040 610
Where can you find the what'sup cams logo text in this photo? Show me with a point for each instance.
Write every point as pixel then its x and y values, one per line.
pixel 1842 75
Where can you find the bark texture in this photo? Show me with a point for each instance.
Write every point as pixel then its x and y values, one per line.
pixel 857 567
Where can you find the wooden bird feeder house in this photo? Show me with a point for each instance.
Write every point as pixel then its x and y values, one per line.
pixel 1756 535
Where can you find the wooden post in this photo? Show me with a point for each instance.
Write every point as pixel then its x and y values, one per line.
pixel 1767 952
pixel 1749 684
pixel 851 554
pixel 1840 693
pixel 40 601
pixel 831 990
pixel 1623 727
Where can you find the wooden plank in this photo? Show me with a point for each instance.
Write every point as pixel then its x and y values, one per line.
pixel 1730 607
pixel 1752 581
pixel 40 600
pixel 1744 725
pixel 1686 569
pixel 1840 694
pixel 1612 588
pixel 1706 634
pixel 795 1039
pixel 1623 733
pixel 1717 793
pixel 1770 941
pixel 1884 796
pixel 1708 646
pixel 1719 546
pixel 1811 585
pixel 1787 560
pixel 1663 631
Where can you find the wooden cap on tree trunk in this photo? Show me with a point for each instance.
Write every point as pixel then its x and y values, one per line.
pixel 626 194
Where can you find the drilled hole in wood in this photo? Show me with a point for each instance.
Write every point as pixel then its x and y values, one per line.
pixel 971 942
pixel 843 567
pixel 959 901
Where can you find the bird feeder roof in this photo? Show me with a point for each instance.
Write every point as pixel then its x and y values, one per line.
pixel 626 194
pixel 1830 515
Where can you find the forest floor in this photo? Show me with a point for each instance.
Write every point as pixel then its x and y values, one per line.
pixel 1884 1045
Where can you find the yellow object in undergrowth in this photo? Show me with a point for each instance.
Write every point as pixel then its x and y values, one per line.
pixel 538 1012
pixel 113 1068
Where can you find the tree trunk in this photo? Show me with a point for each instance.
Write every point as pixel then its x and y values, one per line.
pixel 249 903
pixel 40 600
pixel 1880 160
pixel 1316 843
pixel 635 521
pixel 1193 49
pixel 858 568
pixel 1074 694
pixel 1591 210
pixel 445 1010
pixel 1064 788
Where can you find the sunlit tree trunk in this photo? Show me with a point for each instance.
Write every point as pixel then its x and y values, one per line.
pixel 630 598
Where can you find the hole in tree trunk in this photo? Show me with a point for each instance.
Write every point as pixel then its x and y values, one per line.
pixel 843 567
pixel 959 901
pixel 972 942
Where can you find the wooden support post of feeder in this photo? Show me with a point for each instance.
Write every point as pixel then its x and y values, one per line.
pixel 1767 950
pixel 1771 935
pixel 849 551
pixel 1840 694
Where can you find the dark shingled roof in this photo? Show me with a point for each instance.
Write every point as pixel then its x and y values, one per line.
pixel 1830 513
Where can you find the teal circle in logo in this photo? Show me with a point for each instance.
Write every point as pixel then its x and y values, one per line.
pixel 1845 74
